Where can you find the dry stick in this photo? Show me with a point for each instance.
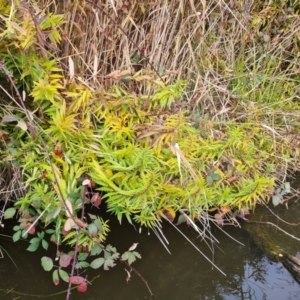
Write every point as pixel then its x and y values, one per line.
pixel 272 224
pixel 76 244
pixel 291 224
pixel 143 279
pixel 128 37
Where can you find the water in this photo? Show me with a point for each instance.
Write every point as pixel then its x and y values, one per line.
pixel 184 274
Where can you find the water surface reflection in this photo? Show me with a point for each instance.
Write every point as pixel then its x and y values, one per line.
pixel 182 275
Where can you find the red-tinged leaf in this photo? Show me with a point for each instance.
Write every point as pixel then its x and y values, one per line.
pixel 219 219
pixel 64 275
pixel 65 260
pixel 76 279
pixel 82 287
pixel 55 277
pixel 96 200
pixel 32 229
pixel 10 118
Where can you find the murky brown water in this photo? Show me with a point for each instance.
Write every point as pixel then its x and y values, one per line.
pixel 184 274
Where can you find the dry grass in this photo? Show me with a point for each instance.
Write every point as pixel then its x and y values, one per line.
pixel 240 58
pixel 207 43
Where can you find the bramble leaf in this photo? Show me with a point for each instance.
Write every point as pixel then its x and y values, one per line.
pixel 9 213
pixel 64 275
pixel 47 263
pixel 97 263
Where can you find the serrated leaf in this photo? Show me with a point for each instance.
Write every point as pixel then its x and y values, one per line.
pixel 130 256
pixel 138 255
pixel 109 263
pixel 125 255
pixel 55 277
pixel 63 275
pixel 17 236
pixel 53 213
pixel 110 248
pixel 97 263
pixel 9 213
pixel 83 256
pixel 33 247
pixel 96 250
pixel 47 263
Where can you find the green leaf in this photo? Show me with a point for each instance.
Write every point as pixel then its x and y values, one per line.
pixel 215 176
pixel 130 256
pixel 33 247
pixel 34 240
pixel 24 234
pixel 109 263
pixel 110 248
pixel 97 263
pixel 181 219
pixel 93 230
pixel 55 277
pixel 64 275
pixel 9 213
pixel 82 264
pixel 83 256
pixel 16 228
pixel 41 234
pixel 17 236
pixel 96 250
pixel 45 244
pixel 209 180
pixel 47 263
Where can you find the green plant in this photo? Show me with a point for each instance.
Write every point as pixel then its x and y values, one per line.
pixel 147 143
